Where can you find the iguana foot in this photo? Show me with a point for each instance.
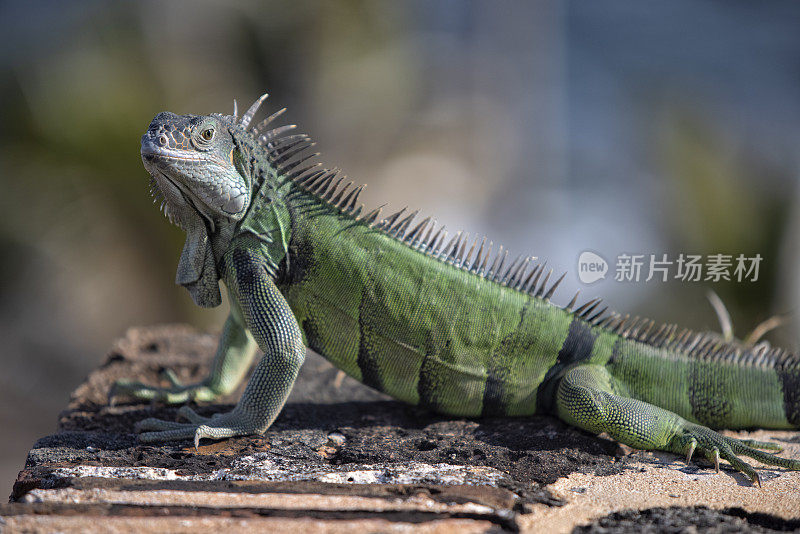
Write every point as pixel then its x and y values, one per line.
pixel 586 398
pixel 218 426
pixel 714 446
pixel 177 393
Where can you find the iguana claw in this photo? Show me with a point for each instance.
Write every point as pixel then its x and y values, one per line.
pixel 715 446
pixel 219 426
pixel 690 452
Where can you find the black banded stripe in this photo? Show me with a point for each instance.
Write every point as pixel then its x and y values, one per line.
pixel 368 348
pixel 495 398
pixel 577 347
pixel 430 386
pixel 790 382
pixel 709 394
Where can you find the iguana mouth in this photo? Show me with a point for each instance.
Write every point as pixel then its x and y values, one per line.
pixel 173 196
pixel 191 201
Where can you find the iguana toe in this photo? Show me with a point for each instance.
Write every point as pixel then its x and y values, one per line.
pixel 170 376
pixel 190 415
pixel 766 445
pixel 690 451
pixel 176 394
pixel 715 446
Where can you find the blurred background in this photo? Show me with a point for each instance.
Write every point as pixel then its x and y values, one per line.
pixel 554 127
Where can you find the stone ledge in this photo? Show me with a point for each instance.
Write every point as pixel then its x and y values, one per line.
pixel 342 458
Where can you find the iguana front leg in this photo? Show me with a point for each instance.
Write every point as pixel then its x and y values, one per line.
pixel 268 317
pixel 234 355
pixel 588 397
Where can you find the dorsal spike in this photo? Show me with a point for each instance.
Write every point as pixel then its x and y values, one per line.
pixel 389 221
pixel 517 275
pixel 573 301
pixel 333 189
pixel 344 195
pixel 312 179
pixel 355 212
pixel 466 262
pixel 235 109
pixel 673 330
pixel 370 217
pixel 632 327
pixel 250 113
pixel 266 122
pixel 448 249
pixel 645 330
pixel 554 286
pixel 597 317
pixel 540 291
pixel 482 268
pixel 609 320
pixel 427 239
pixel 289 166
pixel 351 205
pixel 283 141
pixel 624 325
pixel 478 257
pixel 337 200
pixel 511 272
pixel 275 151
pixel 461 247
pixel 400 226
pixel 299 175
pixel 290 153
pixel 504 278
pixel 437 249
pixel 322 185
pixel 526 284
pixel 582 309
pixel 495 262
pixel 535 282
pixel 693 342
pixel 275 132
pixel 682 337
pixel 498 262
pixel 414 234
pixel 432 241
pixel 657 336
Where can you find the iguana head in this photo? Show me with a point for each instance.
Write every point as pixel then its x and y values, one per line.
pixel 196 168
pixel 191 159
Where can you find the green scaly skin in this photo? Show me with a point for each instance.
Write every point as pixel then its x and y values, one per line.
pixel 446 326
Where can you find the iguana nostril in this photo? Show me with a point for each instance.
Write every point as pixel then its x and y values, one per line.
pixel 162 140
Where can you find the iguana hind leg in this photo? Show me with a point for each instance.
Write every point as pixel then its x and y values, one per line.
pixel 590 398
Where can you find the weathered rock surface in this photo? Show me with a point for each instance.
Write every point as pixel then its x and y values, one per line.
pixel 342 458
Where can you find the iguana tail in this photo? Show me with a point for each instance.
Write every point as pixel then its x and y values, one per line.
pixel 659 389
pixel 710 381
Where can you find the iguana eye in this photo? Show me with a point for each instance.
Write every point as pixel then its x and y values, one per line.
pixel 207 134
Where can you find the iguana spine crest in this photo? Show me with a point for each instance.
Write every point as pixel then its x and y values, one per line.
pixel 287 152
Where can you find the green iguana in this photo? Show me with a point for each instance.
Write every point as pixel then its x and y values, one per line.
pixel 440 323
